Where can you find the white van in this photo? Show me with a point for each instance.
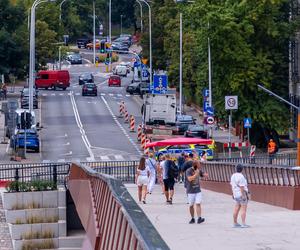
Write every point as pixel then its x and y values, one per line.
pixel 34 124
pixel 120 70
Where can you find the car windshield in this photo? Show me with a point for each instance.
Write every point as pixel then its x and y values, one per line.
pixel 25 92
pixel 86 76
pixel 76 56
pixel 197 146
pixel 90 85
pixel 196 128
pixel 114 77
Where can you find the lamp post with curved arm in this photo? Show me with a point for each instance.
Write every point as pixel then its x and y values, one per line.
pixel 150 38
pixel 60 7
pixel 32 50
pixel 141 11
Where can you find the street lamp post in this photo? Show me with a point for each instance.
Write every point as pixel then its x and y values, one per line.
pixel 180 66
pixel 94 33
pixel 32 50
pixel 150 38
pixel 60 7
pixel 141 11
pixel 121 23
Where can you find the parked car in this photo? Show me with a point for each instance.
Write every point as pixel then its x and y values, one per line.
pixel 86 78
pixel 119 46
pixel 114 80
pixel 52 79
pixel 89 89
pixel 128 66
pixel 196 131
pixel 32 139
pixel 69 54
pixel 183 122
pixel 125 40
pixel 75 58
pixel 24 99
pixel 82 42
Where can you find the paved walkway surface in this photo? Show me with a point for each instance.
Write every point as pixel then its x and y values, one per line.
pixel 272 228
pixel 5 239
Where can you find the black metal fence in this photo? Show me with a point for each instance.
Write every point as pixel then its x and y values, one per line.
pixel 35 171
pixel 122 170
pixel 277 159
pixel 255 174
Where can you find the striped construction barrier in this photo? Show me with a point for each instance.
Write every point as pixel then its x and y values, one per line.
pixel 121 109
pixel 126 116
pixel 139 133
pixel 146 150
pixel 132 123
pixel 236 145
pixel 143 141
pixel 252 150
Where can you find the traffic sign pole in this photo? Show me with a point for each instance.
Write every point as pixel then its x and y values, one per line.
pixel 229 135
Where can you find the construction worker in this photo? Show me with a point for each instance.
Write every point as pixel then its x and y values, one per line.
pixel 271 150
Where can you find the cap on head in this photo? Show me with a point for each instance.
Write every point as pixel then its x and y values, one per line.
pixel 239 168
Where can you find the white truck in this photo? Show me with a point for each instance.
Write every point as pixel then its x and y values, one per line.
pixel 159 109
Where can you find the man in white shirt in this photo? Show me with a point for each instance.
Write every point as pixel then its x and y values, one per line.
pixel 240 195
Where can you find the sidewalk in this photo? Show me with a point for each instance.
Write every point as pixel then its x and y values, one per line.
pixel 271 227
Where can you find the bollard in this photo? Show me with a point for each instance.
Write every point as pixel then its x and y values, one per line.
pixel 146 150
pixel 17 177
pixel 143 140
pixel 124 108
pixel 132 125
pixel 121 110
pixel 126 116
pixel 139 133
pixel 55 174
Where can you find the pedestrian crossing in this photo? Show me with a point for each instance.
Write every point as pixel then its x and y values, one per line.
pixel 89 65
pixel 115 157
pixel 79 93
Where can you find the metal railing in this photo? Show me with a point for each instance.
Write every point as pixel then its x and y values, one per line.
pixel 118 222
pixel 277 159
pixel 255 174
pixel 122 170
pixel 35 171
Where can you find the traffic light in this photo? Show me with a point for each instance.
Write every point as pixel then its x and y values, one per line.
pixel 102 47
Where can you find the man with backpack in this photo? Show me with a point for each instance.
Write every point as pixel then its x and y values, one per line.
pixel 170 173
pixel 193 175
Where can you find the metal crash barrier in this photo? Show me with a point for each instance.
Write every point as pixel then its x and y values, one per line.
pixel 109 215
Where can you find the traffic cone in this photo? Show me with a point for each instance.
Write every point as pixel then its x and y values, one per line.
pixel 146 150
pixel 124 108
pixel 126 116
pixel 139 133
pixel 132 125
pixel 121 110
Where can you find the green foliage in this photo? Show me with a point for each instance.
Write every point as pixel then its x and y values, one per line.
pixel 35 185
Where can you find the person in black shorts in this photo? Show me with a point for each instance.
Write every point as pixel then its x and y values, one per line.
pixel 168 182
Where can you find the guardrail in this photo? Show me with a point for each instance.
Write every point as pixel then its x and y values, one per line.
pixel 255 174
pixel 109 215
pixel 277 159
pixel 34 171
pixel 122 170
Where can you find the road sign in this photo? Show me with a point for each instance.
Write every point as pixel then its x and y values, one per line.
pixel 247 123
pixel 231 102
pixel 136 64
pixel 160 84
pixel 210 120
pixel 205 92
pixel 205 106
pixel 210 111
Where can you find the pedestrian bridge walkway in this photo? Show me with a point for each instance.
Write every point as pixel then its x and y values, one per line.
pixel 271 227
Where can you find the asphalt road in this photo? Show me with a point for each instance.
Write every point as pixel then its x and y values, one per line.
pixel 88 128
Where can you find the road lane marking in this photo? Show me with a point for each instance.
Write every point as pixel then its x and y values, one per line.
pixel 104 158
pixel 69 153
pixel 119 157
pixel 67 144
pixel 87 60
pixel 120 126
pixel 80 126
pixel 110 94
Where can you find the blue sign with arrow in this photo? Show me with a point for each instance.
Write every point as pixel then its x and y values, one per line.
pixel 247 122
pixel 160 84
pixel 210 111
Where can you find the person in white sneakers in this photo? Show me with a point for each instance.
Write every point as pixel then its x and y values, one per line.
pixel 152 165
pixel 240 195
pixel 142 178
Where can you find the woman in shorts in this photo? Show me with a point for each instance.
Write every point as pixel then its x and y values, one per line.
pixel 142 180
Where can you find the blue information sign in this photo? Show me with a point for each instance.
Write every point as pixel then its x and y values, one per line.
pixel 160 84
pixel 205 106
pixel 205 92
pixel 247 122
pixel 210 111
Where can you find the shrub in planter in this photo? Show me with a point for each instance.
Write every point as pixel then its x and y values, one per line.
pixel 46 244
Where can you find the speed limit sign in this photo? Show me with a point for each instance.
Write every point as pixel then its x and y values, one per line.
pixel 231 102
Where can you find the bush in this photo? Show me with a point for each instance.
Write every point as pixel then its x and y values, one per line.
pixel 46 244
pixel 102 57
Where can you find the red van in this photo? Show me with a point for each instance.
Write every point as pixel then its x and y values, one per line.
pixel 52 79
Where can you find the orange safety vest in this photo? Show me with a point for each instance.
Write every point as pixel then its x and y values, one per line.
pixel 271 147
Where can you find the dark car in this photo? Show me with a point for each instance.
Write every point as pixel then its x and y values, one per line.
pixel 89 89
pixel 196 131
pixel 25 98
pixel 124 40
pixel 32 139
pixel 75 59
pixel 82 42
pixel 86 78
pixel 139 88
pixel 183 122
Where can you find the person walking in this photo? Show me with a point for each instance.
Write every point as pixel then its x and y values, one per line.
pixel 160 171
pixel 169 175
pixel 193 189
pixel 142 180
pixel 152 165
pixel 203 156
pixel 271 150
pixel 180 162
pixel 4 90
pixel 240 195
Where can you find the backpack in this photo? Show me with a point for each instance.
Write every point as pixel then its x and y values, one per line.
pixel 172 170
